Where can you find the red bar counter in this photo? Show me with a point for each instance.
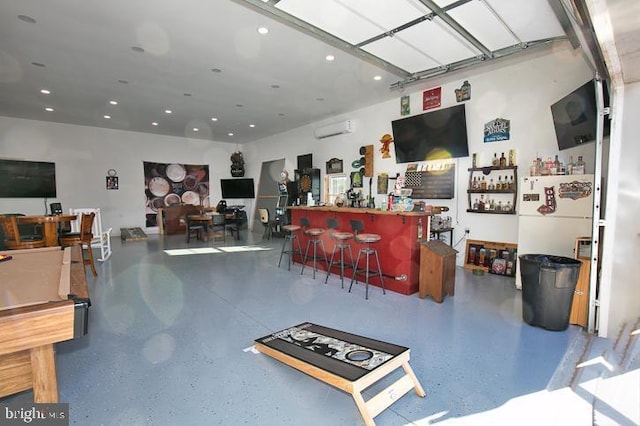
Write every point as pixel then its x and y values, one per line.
pixel 399 249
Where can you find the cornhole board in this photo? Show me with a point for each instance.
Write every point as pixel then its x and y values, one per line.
pixel 346 361
pixel 132 234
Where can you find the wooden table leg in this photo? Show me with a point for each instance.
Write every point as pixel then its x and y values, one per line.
pixel 43 367
pixel 50 233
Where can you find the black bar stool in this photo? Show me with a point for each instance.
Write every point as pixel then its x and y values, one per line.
pixel 367 239
pixel 290 234
pixel 314 235
pixel 341 240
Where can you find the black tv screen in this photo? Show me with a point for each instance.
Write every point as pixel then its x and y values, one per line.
pixel 431 135
pixel 237 188
pixel 27 179
pixel 575 115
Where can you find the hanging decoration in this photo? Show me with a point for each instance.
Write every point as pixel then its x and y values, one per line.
pixel 497 130
pixel 464 92
pixel 237 164
pixel 386 140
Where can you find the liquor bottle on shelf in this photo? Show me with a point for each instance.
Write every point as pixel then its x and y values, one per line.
pixel 511 183
pixel 483 184
pixel 476 205
pixel 508 206
pixel 579 167
pixel 499 184
pixel 481 203
pixel 496 161
pixel 503 161
pixel 555 166
pixel 570 166
pixel 499 206
pixel 533 170
pixel 474 184
pixel 491 186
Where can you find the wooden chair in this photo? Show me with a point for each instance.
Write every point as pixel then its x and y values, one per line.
pixel 12 238
pixel 82 238
pixel 101 238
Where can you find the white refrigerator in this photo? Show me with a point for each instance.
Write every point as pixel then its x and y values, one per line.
pixel 553 211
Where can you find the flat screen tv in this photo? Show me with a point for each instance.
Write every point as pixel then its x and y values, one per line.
pixel 27 179
pixel 431 135
pixel 575 115
pixel 237 188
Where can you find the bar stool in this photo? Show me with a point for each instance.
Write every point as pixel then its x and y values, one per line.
pixel 290 234
pixel 367 239
pixel 341 240
pixel 314 238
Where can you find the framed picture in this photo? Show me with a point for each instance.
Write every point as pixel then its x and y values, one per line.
pixel 334 166
pixel 356 179
pixel 112 182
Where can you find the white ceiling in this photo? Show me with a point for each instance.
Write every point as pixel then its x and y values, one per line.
pixel 205 58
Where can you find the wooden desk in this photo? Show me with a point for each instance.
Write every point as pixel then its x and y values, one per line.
pixel 44 301
pixel 49 225
pixel 346 361
pixel 398 250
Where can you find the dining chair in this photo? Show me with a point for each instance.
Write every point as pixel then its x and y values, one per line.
pixel 13 240
pixel 218 226
pixel 83 239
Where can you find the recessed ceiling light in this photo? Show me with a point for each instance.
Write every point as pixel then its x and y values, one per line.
pixel 48 109
pixel 230 134
pixel 38 64
pixel 45 92
pixel 107 116
pixel 330 58
pixel 123 81
pixel 239 105
pixel 214 119
pixel 167 111
pixel 280 114
pixel 187 94
pixel 216 70
pixel 319 99
pixel 113 102
pixel 195 129
pixel 252 125
pixel 263 30
pixel 27 19
pixel 154 124
pixel 275 86
pixel 137 49
pixel 377 78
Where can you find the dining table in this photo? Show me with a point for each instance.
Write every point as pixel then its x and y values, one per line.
pixel 49 225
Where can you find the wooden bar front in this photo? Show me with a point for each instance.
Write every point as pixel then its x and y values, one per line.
pixel 399 248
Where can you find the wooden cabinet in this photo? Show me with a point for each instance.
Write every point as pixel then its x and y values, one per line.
pixel 493 190
pixel 437 270
pixel 580 305
pixel 491 256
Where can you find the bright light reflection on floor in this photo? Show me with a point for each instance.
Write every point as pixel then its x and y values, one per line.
pixel 236 249
pixel 210 250
pixel 184 252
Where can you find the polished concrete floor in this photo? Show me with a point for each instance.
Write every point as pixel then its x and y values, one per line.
pixel 168 339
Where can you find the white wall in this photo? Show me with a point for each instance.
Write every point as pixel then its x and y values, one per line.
pixel 521 92
pixel 84 154
pixel 620 298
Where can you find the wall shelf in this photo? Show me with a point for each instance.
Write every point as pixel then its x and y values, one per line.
pixel 501 197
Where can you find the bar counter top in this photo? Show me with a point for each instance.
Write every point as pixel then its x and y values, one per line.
pixel 360 210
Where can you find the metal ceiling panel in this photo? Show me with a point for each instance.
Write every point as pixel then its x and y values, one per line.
pixel 480 21
pixel 528 19
pixel 355 20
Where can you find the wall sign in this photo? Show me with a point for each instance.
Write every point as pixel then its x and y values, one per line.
pixel 405 106
pixel 464 92
pixel 432 98
pixel 334 166
pixel 497 130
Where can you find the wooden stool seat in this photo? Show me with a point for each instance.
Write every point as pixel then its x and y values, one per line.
pixel 290 235
pixel 314 234
pixel 368 238
pixel 341 236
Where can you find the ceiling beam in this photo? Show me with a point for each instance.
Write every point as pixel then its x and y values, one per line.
pixel 442 14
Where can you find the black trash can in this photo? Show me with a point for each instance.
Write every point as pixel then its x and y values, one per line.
pixel 548 284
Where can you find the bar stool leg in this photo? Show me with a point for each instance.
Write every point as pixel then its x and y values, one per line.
pixel 379 271
pixel 304 259
pixel 333 253
pixel 355 270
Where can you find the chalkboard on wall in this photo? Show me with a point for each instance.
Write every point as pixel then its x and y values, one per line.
pixel 431 184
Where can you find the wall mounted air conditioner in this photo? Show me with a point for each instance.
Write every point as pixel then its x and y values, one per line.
pixel 329 130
